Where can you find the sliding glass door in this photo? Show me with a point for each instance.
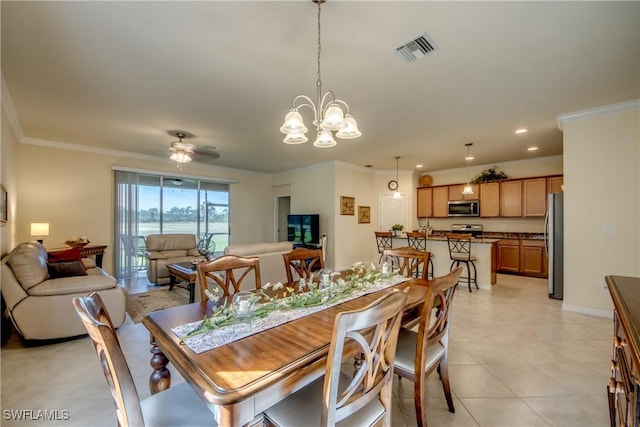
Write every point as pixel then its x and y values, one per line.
pixel 153 204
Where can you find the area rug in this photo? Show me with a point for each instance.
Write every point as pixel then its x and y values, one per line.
pixel 139 305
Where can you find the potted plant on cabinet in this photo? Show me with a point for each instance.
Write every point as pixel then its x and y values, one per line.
pixel 397 228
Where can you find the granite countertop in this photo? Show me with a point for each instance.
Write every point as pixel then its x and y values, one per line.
pixel 443 238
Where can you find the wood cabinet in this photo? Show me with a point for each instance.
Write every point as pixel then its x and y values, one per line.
pixel 455 192
pixel 440 199
pixel 534 197
pixel 511 198
pixel 533 258
pixel 425 206
pixel 554 184
pixel 509 255
pixel 489 199
pixel 624 383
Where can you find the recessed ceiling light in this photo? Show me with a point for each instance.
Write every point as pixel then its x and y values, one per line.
pixel 419 166
pixel 532 148
pixel 523 130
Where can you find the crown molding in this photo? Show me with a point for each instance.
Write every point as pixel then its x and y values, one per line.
pixel 7 104
pixel 597 111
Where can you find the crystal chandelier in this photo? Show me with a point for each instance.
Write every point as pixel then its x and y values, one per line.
pixel 181 151
pixel 329 113
pixel 468 189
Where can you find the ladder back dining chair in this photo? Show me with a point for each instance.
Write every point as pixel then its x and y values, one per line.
pixel 418 240
pixel 175 406
pixel 460 252
pixel 384 241
pixel 357 399
pixel 408 261
pixel 420 353
pixel 302 262
pixel 228 272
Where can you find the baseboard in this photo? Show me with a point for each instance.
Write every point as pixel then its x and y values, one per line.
pixel 586 310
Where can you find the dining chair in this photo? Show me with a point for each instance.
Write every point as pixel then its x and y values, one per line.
pixel 175 406
pixel 228 272
pixel 460 252
pixel 384 241
pixel 418 240
pixel 357 398
pixel 408 261
pixel 420 353
pixel 302 262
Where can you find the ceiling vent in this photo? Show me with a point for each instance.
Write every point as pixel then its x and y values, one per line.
pixel 416 49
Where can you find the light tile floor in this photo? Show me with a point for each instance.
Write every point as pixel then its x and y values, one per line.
pixel 516 359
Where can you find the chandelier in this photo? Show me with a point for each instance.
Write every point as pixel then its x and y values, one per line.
pixel 329 113
pixel 181 151
pixel 468 189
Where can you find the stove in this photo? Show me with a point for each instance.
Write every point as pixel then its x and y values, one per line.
pixel 474 229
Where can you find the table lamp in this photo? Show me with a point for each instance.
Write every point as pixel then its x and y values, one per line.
pixel 40 229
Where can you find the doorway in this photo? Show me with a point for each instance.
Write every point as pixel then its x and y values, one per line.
pixel 283 209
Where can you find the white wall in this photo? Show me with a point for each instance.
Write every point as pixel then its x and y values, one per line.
pixel 9 182
pixel 602 187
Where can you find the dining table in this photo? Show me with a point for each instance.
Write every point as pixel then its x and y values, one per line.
pixel 241 379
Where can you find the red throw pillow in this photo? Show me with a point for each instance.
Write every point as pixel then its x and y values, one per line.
pixel 69 255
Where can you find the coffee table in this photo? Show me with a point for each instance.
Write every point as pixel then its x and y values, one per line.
pixel 186 272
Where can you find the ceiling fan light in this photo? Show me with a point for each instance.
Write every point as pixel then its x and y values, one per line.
pixel 295 138
pixel 351 130
pixel 325 140
pixel 333 118
pixel 293 123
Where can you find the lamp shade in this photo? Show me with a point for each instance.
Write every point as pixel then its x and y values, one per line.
pixel 351 130
pixel 295 138
pixel 180 157
pixel 467 190
pixel 325 140
pixel 39 229
pixel 333 118
pixel 293 123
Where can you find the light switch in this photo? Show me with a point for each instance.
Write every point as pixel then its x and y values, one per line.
pixel 608 229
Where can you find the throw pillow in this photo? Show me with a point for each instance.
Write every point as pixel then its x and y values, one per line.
pixel 66 269
pixel 69 255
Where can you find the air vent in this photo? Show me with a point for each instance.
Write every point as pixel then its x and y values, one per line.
pixel 416 49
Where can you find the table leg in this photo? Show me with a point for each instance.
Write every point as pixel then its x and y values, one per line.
pixel 172 281
pixel 192 292
pixel 160 378
pixel 99 260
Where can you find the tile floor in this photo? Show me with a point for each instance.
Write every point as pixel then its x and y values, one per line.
pixel 516 359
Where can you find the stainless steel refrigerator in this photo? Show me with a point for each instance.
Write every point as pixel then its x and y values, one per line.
pixel 554 243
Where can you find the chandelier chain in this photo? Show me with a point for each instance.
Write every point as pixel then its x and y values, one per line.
pixel 319 80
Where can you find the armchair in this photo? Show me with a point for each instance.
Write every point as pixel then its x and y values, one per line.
pixel 163 249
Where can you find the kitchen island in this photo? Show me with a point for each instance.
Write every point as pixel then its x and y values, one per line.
pixel 484 249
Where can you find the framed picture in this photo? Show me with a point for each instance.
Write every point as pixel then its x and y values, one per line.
pixel 364 214
pixel 3 206
pixel 347 205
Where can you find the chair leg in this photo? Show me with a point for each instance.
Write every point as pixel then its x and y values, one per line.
pixel 475 274
pixel 446 387
pixel 420 396
pixel 468 275
pixel 430 269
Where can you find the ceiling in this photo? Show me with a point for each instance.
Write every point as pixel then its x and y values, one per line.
pixel 120 75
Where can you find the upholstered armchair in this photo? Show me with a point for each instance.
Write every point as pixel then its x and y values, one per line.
pixel 163 249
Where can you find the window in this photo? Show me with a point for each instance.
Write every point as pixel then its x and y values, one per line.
pixel 152 204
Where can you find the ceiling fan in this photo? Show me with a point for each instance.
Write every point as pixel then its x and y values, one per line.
pixel 180 149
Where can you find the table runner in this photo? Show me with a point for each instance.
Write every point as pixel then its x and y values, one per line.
pixel 225 335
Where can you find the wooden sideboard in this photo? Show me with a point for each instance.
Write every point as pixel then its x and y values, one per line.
pixel 86 251
pixel 624 384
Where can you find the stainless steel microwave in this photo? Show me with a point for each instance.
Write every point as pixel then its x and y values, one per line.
pixel 464 208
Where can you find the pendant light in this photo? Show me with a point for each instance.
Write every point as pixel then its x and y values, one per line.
pixel 396 193
pixel 468 190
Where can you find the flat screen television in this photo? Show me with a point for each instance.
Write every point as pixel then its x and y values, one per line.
pixel 303 229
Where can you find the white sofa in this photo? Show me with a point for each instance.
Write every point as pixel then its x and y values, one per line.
pixel 40 306
pixel 271 261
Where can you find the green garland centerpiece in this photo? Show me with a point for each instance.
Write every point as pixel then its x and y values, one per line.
pixel 277 297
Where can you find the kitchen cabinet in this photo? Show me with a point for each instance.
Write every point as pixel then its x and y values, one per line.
pixel 554 184
pixel 489 199
pixel 534 197
pixel 533 258
pixel 455 192
pixel 425 205
pixel 440 199
pixel 511 198
pixel 509 255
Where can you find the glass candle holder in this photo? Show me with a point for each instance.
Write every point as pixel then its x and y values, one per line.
pixel 385 272
pixel 243 304
pixel 324 278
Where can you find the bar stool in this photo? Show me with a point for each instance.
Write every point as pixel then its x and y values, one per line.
pixel 460 251
pixel 383 240
pixel 418 240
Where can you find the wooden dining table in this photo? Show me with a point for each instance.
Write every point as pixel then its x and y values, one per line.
pixel 241 379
